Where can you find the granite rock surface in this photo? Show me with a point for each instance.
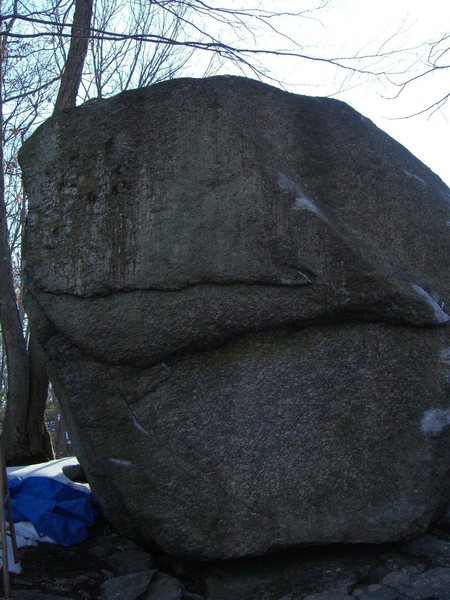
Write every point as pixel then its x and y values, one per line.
pixel 241 294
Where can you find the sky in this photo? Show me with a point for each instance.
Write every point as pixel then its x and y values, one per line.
pixel 351 27
pixel 366 23
pixel 346 28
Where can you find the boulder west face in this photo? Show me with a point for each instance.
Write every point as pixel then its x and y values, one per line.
pixel 241 297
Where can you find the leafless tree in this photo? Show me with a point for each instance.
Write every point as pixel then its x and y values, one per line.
pixel 79 42
pixel 433 62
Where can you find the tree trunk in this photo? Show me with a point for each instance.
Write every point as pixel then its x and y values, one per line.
pixel 14 427
pixel 16 435
pixel 26 439
pixel 73 69
pixel 39 446
pixel 25 436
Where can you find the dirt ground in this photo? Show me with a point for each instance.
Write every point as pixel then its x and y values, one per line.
pixel 78 572
pixel 72 572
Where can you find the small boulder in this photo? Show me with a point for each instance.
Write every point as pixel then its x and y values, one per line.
pixel 127 587
pixel 164 587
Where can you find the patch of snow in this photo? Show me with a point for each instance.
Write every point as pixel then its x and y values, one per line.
pixel 295 280
pixel 285 183
pixel 435 421
pixel 439 313
pixel 13 567
pixel 27 535
pixel 446 195
pixel 414 176
pixel 139 426
pixel 120 462
pixel 302 202
pixel 52 469
pixel 445 356
pixel 305 276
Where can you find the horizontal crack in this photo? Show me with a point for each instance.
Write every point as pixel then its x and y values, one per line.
pixel 307 279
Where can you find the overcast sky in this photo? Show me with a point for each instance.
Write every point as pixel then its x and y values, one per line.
pixel 348 27
pixel 365 23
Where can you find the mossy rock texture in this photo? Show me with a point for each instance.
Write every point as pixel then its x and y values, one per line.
pixel 241 294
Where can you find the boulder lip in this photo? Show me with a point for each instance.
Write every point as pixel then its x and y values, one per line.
pixel 269 309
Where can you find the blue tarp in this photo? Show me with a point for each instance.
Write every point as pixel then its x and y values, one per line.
pixel 56 510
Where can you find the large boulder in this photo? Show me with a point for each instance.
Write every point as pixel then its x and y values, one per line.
pixel 241 294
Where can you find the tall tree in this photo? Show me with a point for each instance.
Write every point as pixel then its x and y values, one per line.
pixel 25 437
pixel 79 42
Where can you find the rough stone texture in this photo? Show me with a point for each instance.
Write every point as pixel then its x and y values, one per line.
pixel 376 592
pixel 240 296
pixel 112 545
pixel 333 595
pixel 29 595
pixel 127 587
pixel 130 561
pixel 433 583
pixel 164 587
pixel 429 547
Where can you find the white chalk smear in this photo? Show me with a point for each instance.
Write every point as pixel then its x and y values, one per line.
pixel 139 426
pixel 435 421
pixel 120 462
pixel 439 313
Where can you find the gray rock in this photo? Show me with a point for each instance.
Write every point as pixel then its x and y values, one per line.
pixel 75 473
pixel 30 595
pixel 110 544
pixel 130 561
pixel 436 550
pixel 127 587
pixel 376 592
pixel 446 517
pixel 261 337
pixel 328 596
pixel 402 577
pixel 189 596
pixel 375 574
pixel 164 587
pixel 433 583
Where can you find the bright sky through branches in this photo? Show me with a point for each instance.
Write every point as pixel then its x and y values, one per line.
pixel 364 24
pixel 389 37
pixel 349 27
